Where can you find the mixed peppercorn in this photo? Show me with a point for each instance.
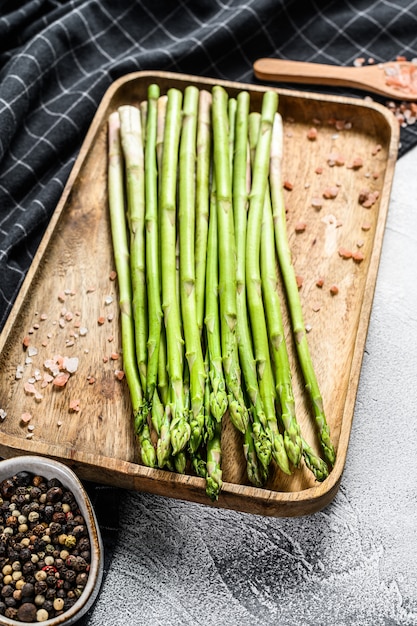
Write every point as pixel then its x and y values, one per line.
pixel 44 548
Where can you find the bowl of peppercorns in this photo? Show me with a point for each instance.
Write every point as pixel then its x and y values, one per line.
pixel 51 552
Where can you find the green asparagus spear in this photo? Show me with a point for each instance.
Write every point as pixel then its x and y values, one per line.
pixel 283 381
pixel 132 145
pixel 260 170
pixel 187 206
pixel 152 253
pixel 227 259
pixel 292 293
pixel 180 428
pixel 202 199
pixel 241 185
pixel 218 396
pixel 119 234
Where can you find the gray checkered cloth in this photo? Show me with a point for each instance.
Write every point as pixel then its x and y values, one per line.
pixel 58 57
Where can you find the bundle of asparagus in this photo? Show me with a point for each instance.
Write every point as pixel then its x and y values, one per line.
pixel 198 229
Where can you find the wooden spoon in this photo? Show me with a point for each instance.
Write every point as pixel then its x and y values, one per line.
pixel 396 79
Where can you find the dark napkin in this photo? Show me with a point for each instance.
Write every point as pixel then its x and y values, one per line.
pixel 58 57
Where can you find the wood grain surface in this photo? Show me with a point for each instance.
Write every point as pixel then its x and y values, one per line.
pixel 68 305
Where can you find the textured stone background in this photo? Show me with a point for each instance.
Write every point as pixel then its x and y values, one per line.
pixel 353 563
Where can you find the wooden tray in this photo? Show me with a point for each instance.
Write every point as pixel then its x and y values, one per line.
pixel 68 288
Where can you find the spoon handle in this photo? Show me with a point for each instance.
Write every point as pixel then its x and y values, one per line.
pixel 304 72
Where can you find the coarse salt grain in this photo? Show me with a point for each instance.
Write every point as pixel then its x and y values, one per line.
pixel 70 364
pixel 316 203
pixel 312 133
pixel 61 379
pixel 74 405
pixel 29 388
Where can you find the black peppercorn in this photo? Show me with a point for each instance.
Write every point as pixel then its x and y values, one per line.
pixel 28 592
pixel 69 602
pixel 27 612
pixel 6 591
pixel 54 482
pixel 28 568
pixel 51 581
pixel 70 576
pixel 54 494
pixel 40 587
pixel 19 499
pixel 59 517
pixel 25 554
pixel 48 606
pixel 23 478
pixel 7 488
pixel 55 528
pixel 48 512
pixel 10 612
pixel 79 531
pixel 81 579
pixel 80 564
pixel 35 493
